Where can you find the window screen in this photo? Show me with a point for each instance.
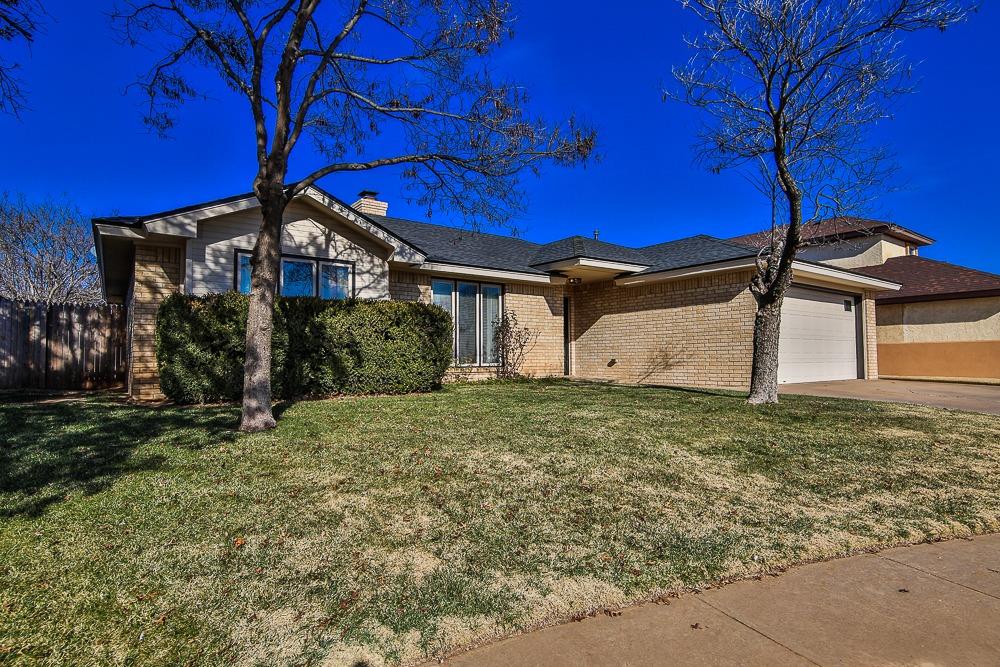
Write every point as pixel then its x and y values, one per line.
pixel 491 315
pixel 465 320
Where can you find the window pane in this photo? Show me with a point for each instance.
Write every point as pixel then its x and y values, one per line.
pixel 442 294
pixel 491 314
pixel 243 266
pixel 334 281
pixel 466 322
pixel 297 277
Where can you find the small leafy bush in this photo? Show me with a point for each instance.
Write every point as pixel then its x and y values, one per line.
pixel 319 348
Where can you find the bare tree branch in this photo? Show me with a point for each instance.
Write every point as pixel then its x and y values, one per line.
pixel 46 253
pixel 19 22
pixel 791 89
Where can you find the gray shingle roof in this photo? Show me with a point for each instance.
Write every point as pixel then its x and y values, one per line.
pixel 581 246
pixel 461 246
pixel 492 251
pixel 693 251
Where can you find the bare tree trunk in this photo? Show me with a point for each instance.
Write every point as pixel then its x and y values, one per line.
pixel 260 318
pixel 769 286
pixel 764 375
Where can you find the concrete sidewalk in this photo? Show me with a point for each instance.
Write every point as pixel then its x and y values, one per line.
pixel 932 604
pixel 983 398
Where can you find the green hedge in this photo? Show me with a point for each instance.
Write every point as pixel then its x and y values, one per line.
pixel 320 347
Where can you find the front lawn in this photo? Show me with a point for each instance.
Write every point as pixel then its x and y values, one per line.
pixel 389 529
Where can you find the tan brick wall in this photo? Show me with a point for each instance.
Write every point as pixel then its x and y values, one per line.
pixel 409 286
pixel 695 332
pixel 158 273
pixel 538 307
pixel 871 336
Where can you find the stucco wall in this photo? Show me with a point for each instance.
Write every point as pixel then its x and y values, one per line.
pixel 696 332
pixel 852 253
pixel 953 339
pixel 949 320
pixel 307 231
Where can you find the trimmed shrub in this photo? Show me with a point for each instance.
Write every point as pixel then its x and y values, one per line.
pixel 319 348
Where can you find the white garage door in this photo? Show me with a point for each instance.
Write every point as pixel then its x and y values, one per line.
pixel 818 337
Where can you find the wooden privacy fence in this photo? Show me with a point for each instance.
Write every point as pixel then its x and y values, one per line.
pixel 61 345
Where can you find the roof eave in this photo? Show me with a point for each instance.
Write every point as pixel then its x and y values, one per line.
pixel 944 296
pixel 591 263
pixel 842 276
pixel 687 271
pixel 459 270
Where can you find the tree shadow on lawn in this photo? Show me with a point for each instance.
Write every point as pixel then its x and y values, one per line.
pixel 52 449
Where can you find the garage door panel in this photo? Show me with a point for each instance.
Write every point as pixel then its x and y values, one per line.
pixel 818 338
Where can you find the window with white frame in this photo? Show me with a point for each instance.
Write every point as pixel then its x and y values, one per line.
pixel 303 276
pixel 475 309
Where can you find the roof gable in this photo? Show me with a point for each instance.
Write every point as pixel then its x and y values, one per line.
pixel 184 221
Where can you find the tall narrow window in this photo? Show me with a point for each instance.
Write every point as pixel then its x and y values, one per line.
pixel 243 276
pixel 298 277
pixel 334 281
pixel 490 317
pixel 442 295
pixel 466 321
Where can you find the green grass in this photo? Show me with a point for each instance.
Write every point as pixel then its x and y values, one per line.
pixel 389 529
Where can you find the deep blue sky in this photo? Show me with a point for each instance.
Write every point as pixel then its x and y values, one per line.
pixel 83 137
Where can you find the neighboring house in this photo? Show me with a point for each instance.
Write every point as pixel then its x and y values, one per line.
pixel 676 313
pixel 849 242
pixel 944 324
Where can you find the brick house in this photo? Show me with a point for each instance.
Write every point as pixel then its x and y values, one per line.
pixel 677 313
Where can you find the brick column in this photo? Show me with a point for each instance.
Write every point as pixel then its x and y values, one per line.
pixel 158 273
pixel 871 337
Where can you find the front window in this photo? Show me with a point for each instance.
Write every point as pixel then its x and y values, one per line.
pixel 474 309
pixel 298 277
pixel 303 276
pixel 244 269
pixel 334 281
pixel 491 315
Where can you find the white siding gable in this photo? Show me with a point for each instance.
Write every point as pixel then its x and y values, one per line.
pixel 211 257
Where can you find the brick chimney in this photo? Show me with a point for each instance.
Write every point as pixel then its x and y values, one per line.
pixel 369 205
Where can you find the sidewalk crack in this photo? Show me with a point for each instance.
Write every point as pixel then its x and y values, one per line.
pixel 762 634
pixel 938 576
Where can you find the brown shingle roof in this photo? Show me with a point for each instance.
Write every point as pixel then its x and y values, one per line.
pixel 928 279
pixel 844 227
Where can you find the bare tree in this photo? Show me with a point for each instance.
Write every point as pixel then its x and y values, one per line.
pixel 46 253
pixel 19 21
pixel 791 89
pixel 372 83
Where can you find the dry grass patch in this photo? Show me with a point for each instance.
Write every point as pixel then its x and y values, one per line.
pixel 392 529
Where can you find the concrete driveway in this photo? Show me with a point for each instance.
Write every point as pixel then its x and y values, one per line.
pixel 971 397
